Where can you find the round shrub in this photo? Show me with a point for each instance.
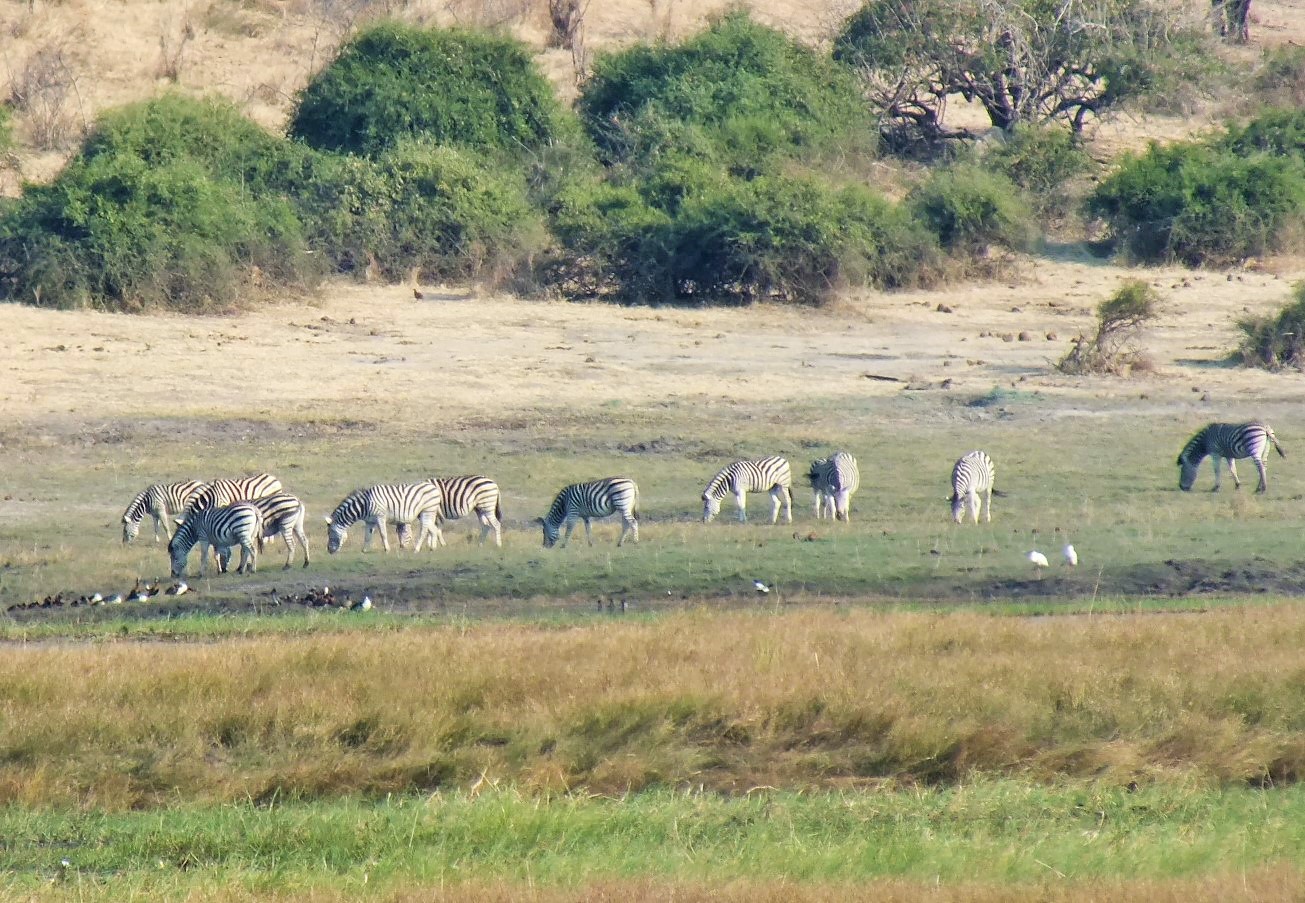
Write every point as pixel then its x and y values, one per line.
pixel 751 90
pixel 1277 132
pixel 420 207
pixel 970 209
pixel 1200 204
pixel 721 239
pixel 1041 161
pixel 115 232
pixel 394 82
pixel 1276 342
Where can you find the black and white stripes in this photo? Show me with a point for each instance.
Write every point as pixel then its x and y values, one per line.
pixel 833 480
pixel 771 475
pixel 396 503
pixel 582 501
pixel 226 491
pixel 473 493
pixel 240 524
pixel 162 501
pixel 972 476
pixel 1228 441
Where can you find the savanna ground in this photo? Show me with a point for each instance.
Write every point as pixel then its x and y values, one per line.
pixel 890 722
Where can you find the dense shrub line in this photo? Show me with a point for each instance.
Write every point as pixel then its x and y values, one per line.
pixel 725 169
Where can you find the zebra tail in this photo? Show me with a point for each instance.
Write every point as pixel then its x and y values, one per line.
pixel 998 493
pixel 1274 440
pixel 498 508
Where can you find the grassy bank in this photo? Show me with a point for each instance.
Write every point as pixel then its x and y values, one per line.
pixel 1063 842
pixel 813 698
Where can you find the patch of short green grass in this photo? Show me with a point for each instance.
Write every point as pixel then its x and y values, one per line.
pixel 993 831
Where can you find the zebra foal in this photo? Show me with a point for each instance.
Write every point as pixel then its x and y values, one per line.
pixel 240 524
pixel 771 475
pixel 600 498
pixel 1230 441
pixel 396 503
pixel 972 475
pixel 833 480
pixel 162 501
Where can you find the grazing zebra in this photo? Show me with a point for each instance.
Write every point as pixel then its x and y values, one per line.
pixel 463 495
pixel 833 480
pixel 582 501
pixel 224 491
pixel 161 501
pixel 240 524
pixel 973 474
pixel 764 475
pixel 1231 441
pixel 397 503
pixel 284 516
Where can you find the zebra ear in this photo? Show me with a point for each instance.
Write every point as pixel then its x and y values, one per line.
pixel 325 518
pixel 180 521
pixel 538 520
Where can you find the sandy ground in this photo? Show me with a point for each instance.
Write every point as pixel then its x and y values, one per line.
pixel 366 352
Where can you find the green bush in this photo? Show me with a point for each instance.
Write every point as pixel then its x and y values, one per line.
pixel 435 210
pixel 1276 342
pixel 394 82
pixel 739 90
pixel 970 209
pixel 1276 132
pixel 116 232
pixel 1201 204
pixel 1280 80
pixel 1041 161
pixel 1120 318
pixel 693 235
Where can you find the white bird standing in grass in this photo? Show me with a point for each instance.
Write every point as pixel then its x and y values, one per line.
pixel 1071 557
pixel 1039 560
pixel 760 587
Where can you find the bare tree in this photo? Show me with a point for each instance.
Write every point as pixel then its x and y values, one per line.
pixel 45 92
pixel 1232 19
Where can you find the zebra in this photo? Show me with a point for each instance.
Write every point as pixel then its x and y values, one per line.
pixel 1231 441
pixel 224 491
pixel 397 503
pixel 463 495
pixel 974 473
pixel 833 480
pixel 582 501
pixel 240 524
pixel 284 516
pixel 161 501
pixel 763 475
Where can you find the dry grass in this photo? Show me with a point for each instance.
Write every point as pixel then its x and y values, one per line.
pixel 810 699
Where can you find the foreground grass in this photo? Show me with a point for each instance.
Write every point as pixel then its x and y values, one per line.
pixel 807 699
pixel 1044 842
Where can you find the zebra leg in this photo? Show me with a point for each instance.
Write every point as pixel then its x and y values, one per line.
pixel 203 557
pixel 1232 471
pixel 1216 459
pixel 628 525
pixel 741 502
pixel 248 558
pixel 160 519
pixel 289 541
pixel 1264 474
pixel 303 539
pixel 589 534
pixel 570 525
pixel 820 504
pixel 843 506
pixel 788 505
pixel 987 506
pixel 972 500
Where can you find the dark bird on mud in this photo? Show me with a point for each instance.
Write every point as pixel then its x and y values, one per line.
pixel 417 294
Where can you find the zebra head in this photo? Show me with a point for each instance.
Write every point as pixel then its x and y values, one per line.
pixel 336 534
pixel 551 532
pixel 130 529
pixel 710 507
pixel 179 549
pixel 958 506
pixel 1188 464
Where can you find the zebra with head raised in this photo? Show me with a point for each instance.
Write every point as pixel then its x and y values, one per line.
pixel 240 524
pixel 1230 441
pixel 396 503
pixel 582 501
pixel 762 475
pixel 161 501
pixel 833 480
pixel 284 516
pixel 972 475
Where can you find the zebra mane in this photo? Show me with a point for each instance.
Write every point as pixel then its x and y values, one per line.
pixel 136 510
pixel 1195 450
pixel 716 485
pixel 343 510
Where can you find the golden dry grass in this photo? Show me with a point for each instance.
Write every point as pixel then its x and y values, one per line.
pixel 727 701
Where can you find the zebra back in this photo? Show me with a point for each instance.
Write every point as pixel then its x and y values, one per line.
pixel 760 475
pixel 227 491
pixel 465 494
pixel 837 473
pixel 280 512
